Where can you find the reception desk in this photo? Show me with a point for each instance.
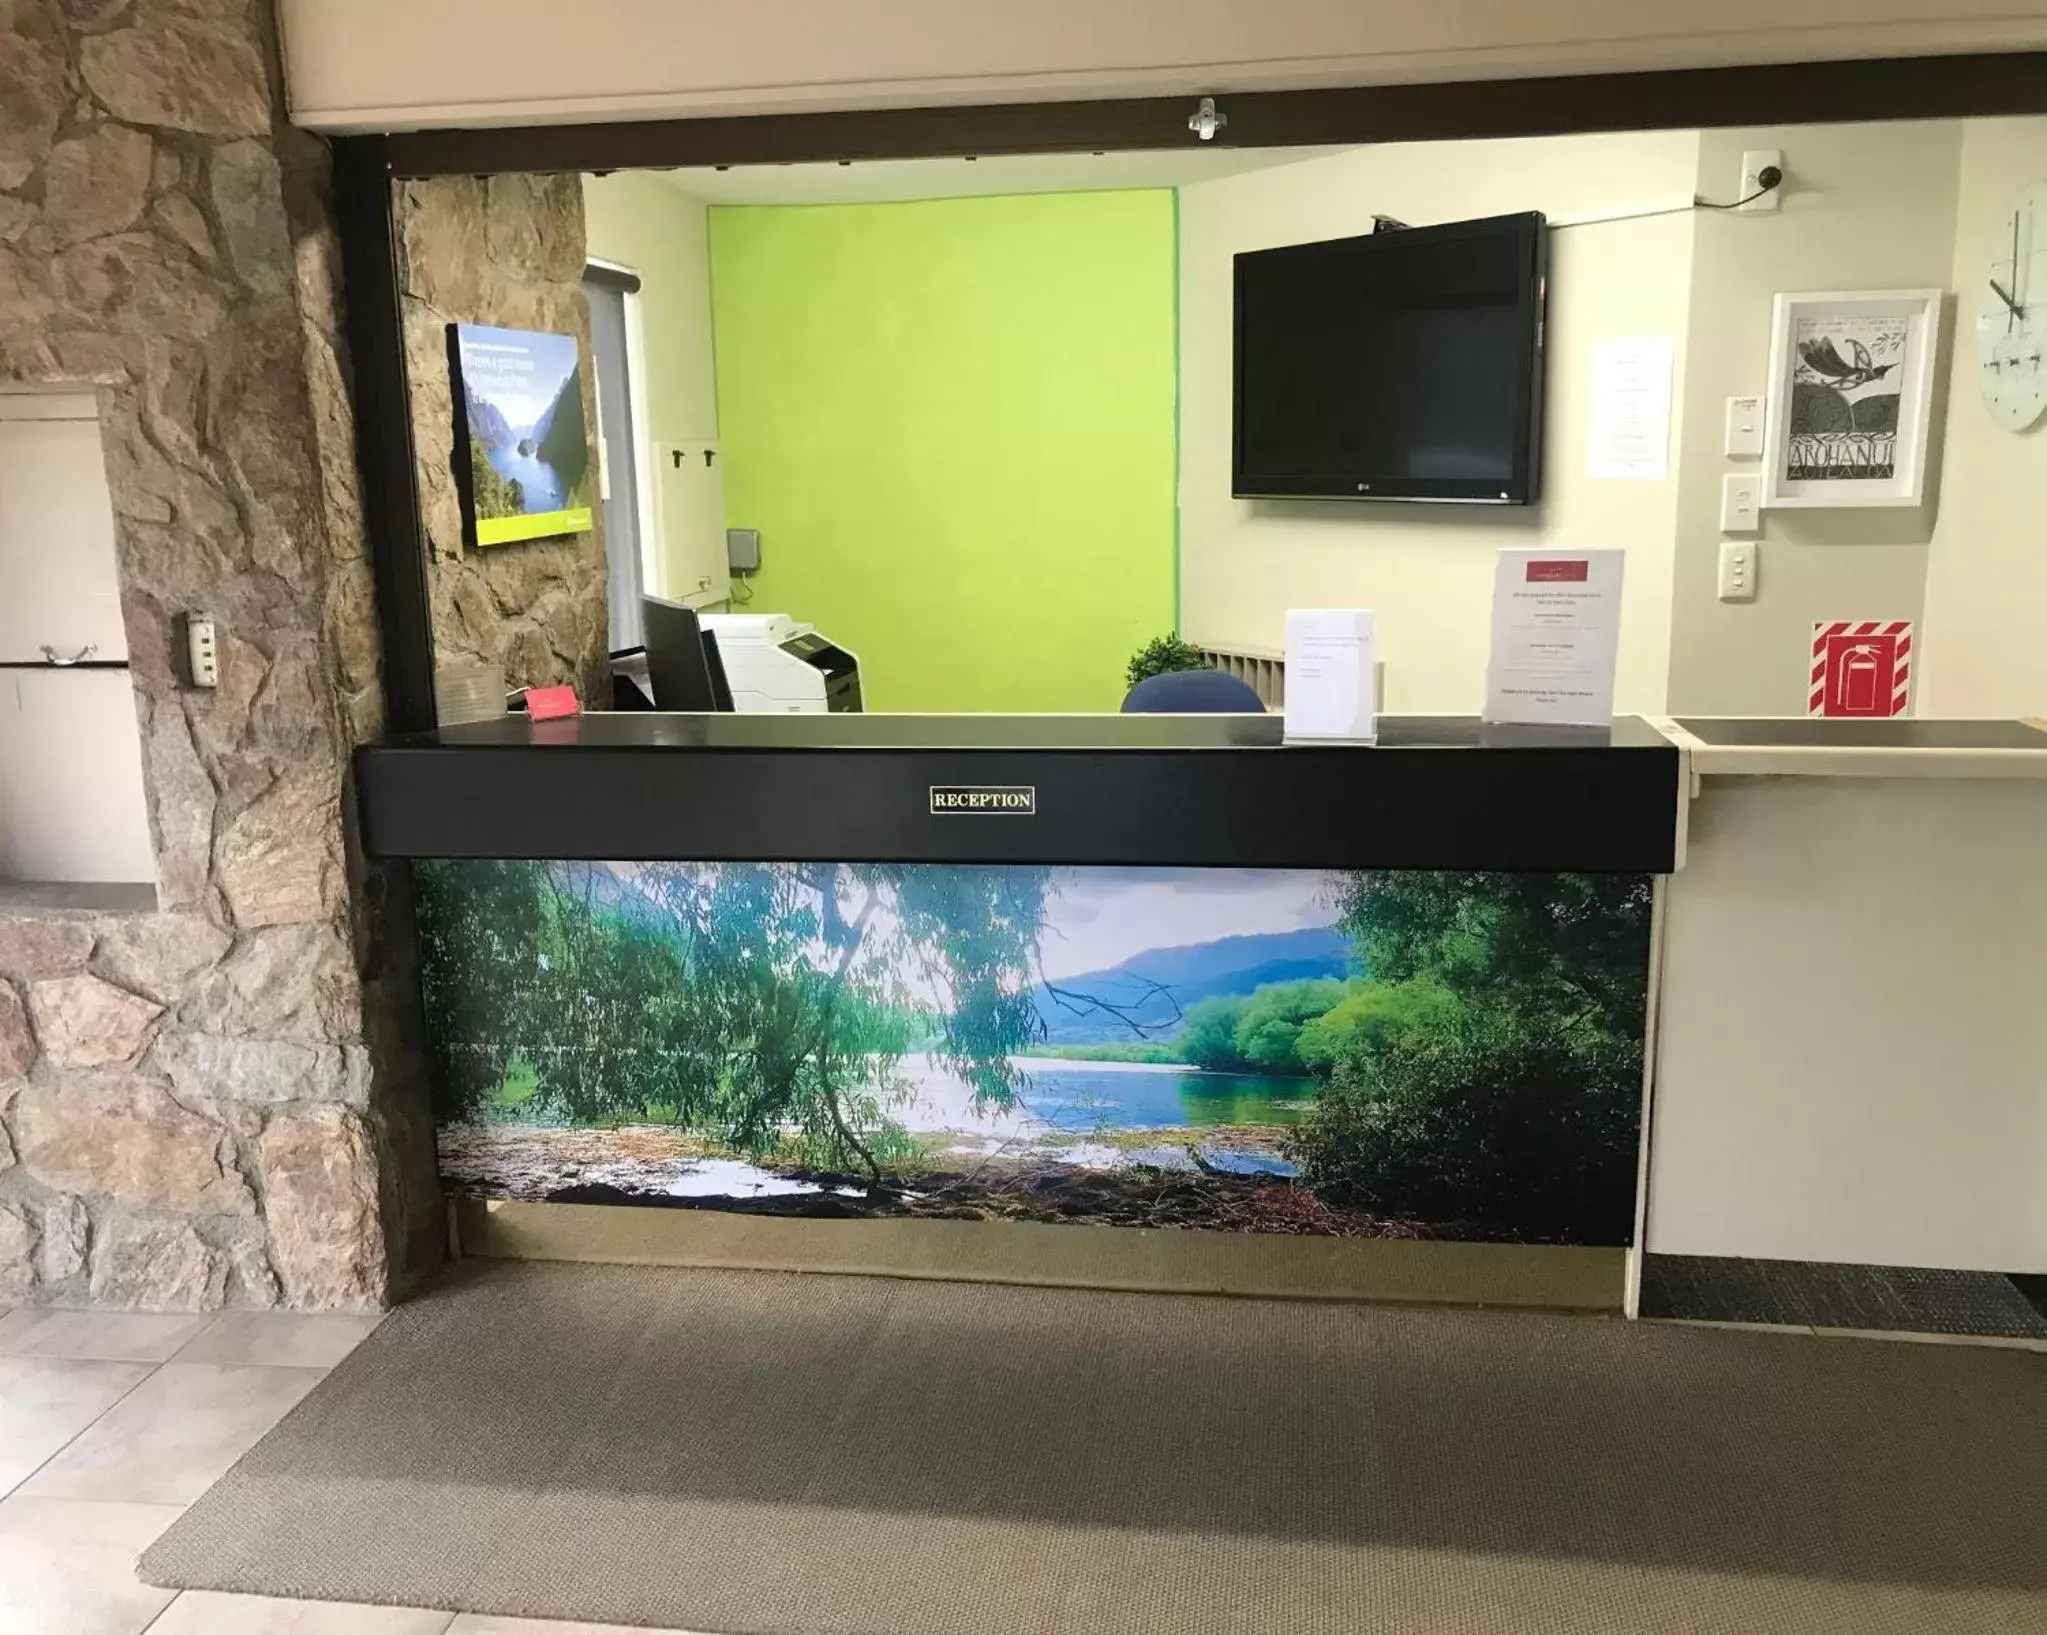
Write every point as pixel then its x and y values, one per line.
pixel 1815 946
pixel 1204 791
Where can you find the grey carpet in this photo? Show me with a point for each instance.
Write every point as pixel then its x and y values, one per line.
pixel 747 1452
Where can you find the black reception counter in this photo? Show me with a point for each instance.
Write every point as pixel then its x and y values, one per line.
pixel 1436 792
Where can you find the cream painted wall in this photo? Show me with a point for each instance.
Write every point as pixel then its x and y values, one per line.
pixel 1986 582
pixel 640 220
pixel 1427 569
pixel 1866 207
pixel 403 64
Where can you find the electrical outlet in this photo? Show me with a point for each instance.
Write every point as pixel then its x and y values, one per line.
pixel 1753 164
pixel 202 651
pixel 1737 570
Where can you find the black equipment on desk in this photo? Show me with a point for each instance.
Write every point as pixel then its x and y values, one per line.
pixel 684 669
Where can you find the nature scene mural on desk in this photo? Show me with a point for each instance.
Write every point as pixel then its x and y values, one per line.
pixel 1401 1053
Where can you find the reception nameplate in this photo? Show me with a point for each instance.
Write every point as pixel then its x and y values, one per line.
pixel 984 800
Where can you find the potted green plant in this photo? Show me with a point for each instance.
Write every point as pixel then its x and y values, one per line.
pixel 1163 655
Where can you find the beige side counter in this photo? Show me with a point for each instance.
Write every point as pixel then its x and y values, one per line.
pixel 1851 1039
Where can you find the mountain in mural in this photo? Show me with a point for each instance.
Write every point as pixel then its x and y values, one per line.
pixel 561 437
pixel 1152 990
pixel 487 423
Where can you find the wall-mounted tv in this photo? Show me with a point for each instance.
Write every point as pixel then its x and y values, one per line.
pixel 1401 365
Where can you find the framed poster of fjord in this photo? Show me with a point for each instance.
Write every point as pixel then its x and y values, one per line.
pixel 1332 1053
pixel 522 444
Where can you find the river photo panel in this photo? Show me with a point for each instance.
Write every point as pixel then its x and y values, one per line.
pixel 1341 1053
pixel 522 447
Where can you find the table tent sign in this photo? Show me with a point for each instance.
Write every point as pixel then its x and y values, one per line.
pixel 1555 638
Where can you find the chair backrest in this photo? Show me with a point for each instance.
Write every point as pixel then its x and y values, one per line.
pixel 1192 692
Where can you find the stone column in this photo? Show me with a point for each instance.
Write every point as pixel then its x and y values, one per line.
pixel 216 1103
pixel 506 251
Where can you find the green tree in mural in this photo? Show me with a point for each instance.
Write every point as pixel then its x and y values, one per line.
pixel 1269 1031
pixel 750 1001
pixel 1381 1013
pixel 1497 1125
pixel 479 936
pixel 1572 948
pixel 1209 1037
pixel 1513 1107
pixel 524 962
pixel 496 495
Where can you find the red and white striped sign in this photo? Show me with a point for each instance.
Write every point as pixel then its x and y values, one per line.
pixel 1860 667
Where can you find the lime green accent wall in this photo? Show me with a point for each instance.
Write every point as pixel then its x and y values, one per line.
pixel 953 423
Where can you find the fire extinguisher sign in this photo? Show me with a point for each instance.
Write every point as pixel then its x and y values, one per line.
pixel 1860 667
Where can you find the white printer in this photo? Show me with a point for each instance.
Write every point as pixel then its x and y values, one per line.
pixel 775 664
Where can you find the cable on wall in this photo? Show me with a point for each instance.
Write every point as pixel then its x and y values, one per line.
pixel 1770 176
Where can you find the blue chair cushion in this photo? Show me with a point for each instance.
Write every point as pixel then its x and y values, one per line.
pixel 1192 692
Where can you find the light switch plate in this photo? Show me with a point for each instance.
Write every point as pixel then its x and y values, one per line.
pixel 1744 426
pixel 1737 570
pixel 1741 502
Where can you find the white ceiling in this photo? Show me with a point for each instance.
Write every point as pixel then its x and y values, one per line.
pixel 884 180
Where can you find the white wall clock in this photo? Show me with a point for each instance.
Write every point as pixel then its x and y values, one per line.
pixel 2011 315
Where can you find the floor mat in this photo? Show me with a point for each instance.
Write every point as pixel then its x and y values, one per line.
pixel 776 1454
pixel 1827 1294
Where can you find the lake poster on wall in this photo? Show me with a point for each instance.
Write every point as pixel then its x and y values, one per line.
pixel 1392 1054
pixel 522 445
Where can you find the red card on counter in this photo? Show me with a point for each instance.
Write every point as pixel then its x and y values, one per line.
pixel 551 703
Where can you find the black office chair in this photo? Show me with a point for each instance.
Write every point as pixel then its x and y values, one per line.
pixel 1193 692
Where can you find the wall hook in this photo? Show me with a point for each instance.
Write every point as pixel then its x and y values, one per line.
pixel 79 657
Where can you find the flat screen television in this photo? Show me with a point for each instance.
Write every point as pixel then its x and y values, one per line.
pixel 1402 365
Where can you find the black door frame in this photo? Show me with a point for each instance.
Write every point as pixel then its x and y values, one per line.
pixel 367 169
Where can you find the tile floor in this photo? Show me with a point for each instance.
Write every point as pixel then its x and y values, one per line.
pixel 112 1422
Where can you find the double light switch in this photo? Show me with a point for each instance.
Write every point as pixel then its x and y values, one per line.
pixel 1741 501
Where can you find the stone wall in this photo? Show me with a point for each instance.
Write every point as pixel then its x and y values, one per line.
pixel 508 251
pixel 216 1103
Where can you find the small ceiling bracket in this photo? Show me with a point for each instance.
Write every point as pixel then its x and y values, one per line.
pixel 1206 120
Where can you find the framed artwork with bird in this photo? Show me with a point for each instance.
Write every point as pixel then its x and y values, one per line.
pixel 1851 398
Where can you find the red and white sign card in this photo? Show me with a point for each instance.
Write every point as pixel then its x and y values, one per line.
pixel 1556 637
pixel 1860 668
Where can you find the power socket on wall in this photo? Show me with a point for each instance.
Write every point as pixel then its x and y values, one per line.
pixel 1753 163
pixel 202 650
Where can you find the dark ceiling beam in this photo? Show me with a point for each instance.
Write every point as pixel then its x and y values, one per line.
pixel 1796 93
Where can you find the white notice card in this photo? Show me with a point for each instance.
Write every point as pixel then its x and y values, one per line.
pixel 1330 674
pixel 1631 407
pixel 1556 637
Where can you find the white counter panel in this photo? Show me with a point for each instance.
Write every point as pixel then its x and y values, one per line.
pixel 1852 1046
